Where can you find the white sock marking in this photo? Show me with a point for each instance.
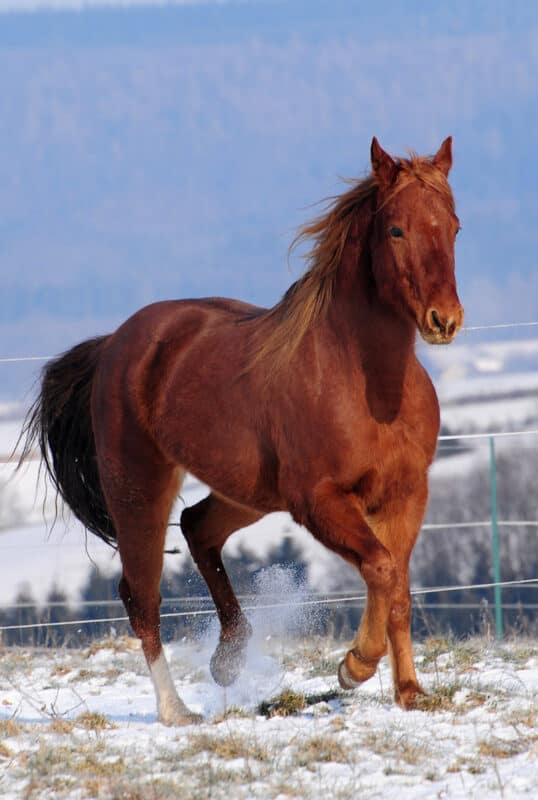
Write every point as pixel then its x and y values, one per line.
pixel 169 704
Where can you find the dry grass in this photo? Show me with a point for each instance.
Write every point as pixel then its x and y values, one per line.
pixel 5 752
pixel 62 726
pixel 53 769
pixel 502 748
pixel 398 745
pixel 473 765
pixel 440 699
pixel 120 644
pixel 84 675
pixel 286 704
pixel 432 649
pixel 59 670
pixel 10 728
pixel 234 712
pixel 289 703
pixel 94 721
pixel 524 717
pixel 228 747
pixel 322 748
pixel 518 654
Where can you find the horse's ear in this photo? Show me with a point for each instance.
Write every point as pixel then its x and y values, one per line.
pixel 443 158
pixel 383 167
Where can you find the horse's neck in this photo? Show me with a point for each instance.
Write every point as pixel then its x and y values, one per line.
pixel 379 341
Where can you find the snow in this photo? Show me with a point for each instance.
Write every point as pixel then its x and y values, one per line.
pixel 70 713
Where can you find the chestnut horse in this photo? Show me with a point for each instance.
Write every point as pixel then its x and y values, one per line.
pixel 317 406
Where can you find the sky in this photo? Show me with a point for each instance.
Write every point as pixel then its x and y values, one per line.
pixel 170 151
pixel 82 5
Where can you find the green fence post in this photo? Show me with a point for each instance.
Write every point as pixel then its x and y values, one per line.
pixel 495 541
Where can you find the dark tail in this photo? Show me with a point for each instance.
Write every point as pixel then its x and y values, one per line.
pixel 60 423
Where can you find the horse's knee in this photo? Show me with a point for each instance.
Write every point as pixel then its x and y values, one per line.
pixel 379 572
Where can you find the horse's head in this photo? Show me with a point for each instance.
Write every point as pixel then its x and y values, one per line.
pixel 412 241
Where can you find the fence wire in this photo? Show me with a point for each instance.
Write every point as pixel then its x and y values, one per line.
pixel 271 606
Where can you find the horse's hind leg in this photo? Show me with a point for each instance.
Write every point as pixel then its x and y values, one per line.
pixel 206 527
pixel 140 507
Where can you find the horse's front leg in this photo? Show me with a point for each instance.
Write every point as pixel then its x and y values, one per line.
pixel 335 518
pixel 406 685
pixel 398 530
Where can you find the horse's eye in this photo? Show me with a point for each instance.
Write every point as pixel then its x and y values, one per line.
pixel 458 230
pixel 396 233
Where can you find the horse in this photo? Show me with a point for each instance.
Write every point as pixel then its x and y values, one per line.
pixel 317 406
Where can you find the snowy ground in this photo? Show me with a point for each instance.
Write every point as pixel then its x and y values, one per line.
pixel 81 724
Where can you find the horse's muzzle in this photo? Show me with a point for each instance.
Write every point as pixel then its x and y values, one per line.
pixel 440 327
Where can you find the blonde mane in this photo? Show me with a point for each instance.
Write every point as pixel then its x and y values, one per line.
pixel 309 297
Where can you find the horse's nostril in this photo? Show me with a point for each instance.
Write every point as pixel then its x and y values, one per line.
pixel 435 321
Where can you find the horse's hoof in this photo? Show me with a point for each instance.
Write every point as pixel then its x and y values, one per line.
pixel 179 715
pixel 355 669
pixel 408 695
pixel 227 662
pixel 344 678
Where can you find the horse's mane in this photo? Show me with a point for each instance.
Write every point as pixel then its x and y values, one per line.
pixel 308 298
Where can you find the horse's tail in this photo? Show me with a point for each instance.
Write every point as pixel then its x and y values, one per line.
pixel 59 422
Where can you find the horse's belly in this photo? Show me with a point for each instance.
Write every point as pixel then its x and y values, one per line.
pixel 227 457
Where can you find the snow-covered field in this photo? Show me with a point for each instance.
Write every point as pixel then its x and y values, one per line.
pixel 81 724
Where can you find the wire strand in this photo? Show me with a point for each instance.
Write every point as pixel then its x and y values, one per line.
pixel 486 435
pixel 20 359
pixel 270 606
pixel 499 325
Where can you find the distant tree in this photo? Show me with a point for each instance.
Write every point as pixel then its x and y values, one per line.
pixel 23 612
pixel 58 612
pixel 99 589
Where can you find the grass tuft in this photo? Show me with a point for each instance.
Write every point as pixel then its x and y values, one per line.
pixel 227 747
pixel 501 748
pixel 10 728
pixel 440 699
pixel 62 726
pixel 5 752
pixel 94 721
pixel 287 704
pixel 326 749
